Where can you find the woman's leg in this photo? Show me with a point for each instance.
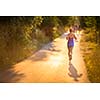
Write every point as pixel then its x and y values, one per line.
pixel 71 49
pixel 70 52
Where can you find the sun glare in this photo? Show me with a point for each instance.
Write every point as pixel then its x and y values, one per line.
pixel 56 61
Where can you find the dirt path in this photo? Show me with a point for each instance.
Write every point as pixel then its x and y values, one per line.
pixel 50 64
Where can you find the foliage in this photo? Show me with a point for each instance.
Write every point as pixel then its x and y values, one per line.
pixel 91 52
pixel 91 25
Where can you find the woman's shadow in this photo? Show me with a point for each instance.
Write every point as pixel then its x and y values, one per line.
pixel 73 72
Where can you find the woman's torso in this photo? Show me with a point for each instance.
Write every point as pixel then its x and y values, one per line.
pixel 71 39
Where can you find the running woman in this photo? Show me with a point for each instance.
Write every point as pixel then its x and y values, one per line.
pixel 70 44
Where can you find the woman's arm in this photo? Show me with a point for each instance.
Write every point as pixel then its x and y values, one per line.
pixel 67 37
pixel 75 37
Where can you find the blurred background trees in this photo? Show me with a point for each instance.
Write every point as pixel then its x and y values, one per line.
pixel 91 24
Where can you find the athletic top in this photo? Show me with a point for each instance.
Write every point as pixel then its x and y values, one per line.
pixel 70 42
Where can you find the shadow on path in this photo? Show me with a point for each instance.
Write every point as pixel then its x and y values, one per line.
pixel 10 75
pixel 42 54
pixel 73 72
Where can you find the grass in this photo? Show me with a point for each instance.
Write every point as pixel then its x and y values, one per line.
pixel 91 54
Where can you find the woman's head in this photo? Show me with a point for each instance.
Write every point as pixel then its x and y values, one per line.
pixel 71 30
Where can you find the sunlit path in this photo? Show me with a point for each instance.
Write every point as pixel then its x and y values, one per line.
pixel 50 64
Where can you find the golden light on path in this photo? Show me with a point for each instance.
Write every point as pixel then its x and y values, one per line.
pixel 56 61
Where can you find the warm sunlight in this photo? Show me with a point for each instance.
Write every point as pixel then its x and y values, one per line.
pixel 56 61
pixel 39 48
